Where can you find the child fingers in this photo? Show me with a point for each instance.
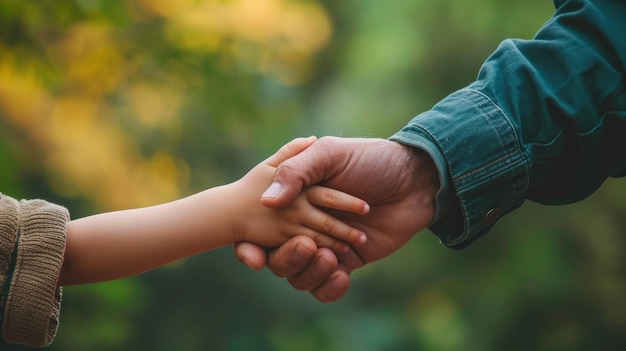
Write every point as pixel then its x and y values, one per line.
pixel 335 199
pixel 323 222
pixel 324 240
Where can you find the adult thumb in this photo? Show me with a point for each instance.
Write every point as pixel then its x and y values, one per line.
pixel 306 168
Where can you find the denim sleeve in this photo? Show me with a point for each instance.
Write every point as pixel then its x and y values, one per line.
pixel 545 120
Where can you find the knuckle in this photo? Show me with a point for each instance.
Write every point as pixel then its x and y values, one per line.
pixel 318 239
pixel 286 169
pixel 330 198
pixel 329 225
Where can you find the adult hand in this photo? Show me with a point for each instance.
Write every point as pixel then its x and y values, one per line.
pixel 399 184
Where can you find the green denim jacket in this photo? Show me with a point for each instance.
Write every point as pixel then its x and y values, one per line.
pixel 545 120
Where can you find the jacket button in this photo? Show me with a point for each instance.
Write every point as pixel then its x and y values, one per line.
pixel 491 217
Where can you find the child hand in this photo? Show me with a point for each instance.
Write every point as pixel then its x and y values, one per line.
pixel 272 227
pixel 305 217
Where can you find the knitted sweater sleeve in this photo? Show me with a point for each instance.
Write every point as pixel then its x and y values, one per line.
pixel 32 244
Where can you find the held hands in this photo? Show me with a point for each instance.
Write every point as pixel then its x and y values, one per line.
pixel 270 227
pixel 119 244
pixel 398 183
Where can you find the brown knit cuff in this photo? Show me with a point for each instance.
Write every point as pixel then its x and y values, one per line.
pixel 8 239
pixel 33 302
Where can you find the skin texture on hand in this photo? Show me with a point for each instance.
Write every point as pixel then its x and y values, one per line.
pixel 399 184
pixel 303 216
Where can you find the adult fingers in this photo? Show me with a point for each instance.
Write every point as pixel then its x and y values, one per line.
pixel 310 269
pixel 311 166
pixel 250 254
pixel 337 238
pixel 292 257
pixel 316 273
pixel 333 288
pixel 325 278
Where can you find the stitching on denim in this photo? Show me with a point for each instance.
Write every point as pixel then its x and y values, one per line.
pixel 477 170
pixel 518 142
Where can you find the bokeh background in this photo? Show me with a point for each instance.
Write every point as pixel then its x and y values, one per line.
pixel 106 105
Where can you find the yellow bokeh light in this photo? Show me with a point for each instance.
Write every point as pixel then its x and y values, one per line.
pixel 90 58
pixel 275 37
pixel 86 148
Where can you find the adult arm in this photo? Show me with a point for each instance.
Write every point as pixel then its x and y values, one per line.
pixel 545 120
pixel 399 184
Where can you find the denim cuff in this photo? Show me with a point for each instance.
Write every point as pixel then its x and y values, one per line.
pixel 483 169
pixel 444 198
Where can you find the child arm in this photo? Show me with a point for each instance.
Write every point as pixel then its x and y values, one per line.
pixel 124 243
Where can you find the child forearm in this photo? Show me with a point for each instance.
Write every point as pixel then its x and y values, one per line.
pixel 124 243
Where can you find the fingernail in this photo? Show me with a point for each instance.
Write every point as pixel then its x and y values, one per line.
pixel 273 190
pixel 362 239
pixel 338 284
pixel 301 253
pixel 323 266
pixel 366 208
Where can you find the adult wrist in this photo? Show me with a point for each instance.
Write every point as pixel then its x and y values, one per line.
pixel 430 163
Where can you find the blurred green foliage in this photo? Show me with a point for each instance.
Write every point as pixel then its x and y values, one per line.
pixel 113 104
